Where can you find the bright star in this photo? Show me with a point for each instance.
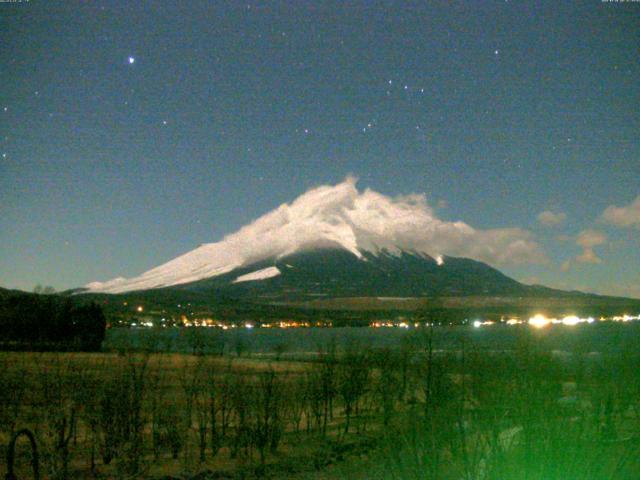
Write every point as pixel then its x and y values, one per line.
pixel 496 52
pixel 131 60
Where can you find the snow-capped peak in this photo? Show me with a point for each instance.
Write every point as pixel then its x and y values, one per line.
pixel 336 216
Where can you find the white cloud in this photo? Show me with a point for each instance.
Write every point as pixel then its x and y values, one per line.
pixel 370 220
pixel 628 216
pixel 588 240
pixel 551 219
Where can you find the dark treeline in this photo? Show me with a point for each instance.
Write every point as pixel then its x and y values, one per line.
pixel 49 322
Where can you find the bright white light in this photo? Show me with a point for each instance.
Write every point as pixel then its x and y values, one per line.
pixel 131 60
pixel 440 260
pixel 248 325
pixel 571 320
pixel 477 323
pixel 539 321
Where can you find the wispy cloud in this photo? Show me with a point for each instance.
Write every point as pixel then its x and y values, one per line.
pixel 588 240
pixel 551 219
pixel 626 217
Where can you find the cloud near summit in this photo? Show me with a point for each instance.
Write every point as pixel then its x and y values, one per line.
pixel 368 220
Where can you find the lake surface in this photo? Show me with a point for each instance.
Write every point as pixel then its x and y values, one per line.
pixel 600 337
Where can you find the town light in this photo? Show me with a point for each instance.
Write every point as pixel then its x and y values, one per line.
pixel 539 321
pixel 571 320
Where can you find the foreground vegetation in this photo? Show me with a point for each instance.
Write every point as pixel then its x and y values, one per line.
pixel 407 411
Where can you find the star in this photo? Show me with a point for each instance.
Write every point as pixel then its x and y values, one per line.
pixel 131 60
pixel 164 122
pixel 6 108
pixel 496 52
pixel 4 155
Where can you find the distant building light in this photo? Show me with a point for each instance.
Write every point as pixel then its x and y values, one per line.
pixel 539 321
pixel 571 320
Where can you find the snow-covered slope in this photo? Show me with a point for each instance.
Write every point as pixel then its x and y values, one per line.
pixel 261 274
pixel 335 217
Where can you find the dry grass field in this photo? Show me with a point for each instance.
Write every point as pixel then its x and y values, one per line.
pixel 360 412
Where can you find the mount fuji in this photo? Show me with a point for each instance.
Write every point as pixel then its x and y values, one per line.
pixel 336 242
pixel 338 229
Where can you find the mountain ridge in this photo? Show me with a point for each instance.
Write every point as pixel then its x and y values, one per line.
pixel 322 274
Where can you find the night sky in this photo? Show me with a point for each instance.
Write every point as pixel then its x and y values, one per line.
pixel 132 132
